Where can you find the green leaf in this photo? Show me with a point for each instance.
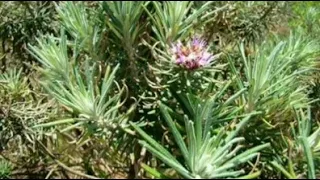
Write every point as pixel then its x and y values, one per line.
pixel 174 130
pixel 58 122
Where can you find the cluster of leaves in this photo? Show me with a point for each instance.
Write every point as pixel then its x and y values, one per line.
pixel 21 23
pixel 5 169
pixel 248 21
pixel 305 16
pixel 110 102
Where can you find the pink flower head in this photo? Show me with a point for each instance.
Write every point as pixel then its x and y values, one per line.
pixel 198 43
pixel 192 56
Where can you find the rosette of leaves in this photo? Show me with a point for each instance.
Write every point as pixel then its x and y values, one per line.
pixel 205 154
pixel 171 22
pixel 13 84
pixel 83 82
pixel 126 25
pixel 175 71
pixel 171 66
pixel 124 21
pixel 84 27
pixel 81 92
pixel 74 18
pixel 271 76
pixel 13 90
pixel 5 169
pixel 208 112
pixel 275 77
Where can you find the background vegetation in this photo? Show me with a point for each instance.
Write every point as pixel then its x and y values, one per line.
pixel 96 89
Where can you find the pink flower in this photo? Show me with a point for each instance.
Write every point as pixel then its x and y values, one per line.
pixel 192 56
pixel 197 44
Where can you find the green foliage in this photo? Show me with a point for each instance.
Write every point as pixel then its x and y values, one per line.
pixel 206 155
pixel 305 17
pixel 172 21
pixel 228 22
pixel 125 24
pixel 79 92
pixel 13 83
pixel 303 154
pixel 21 23
pixel 115 74
pixel 276 78
pixel 271 76
pixel 5 169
